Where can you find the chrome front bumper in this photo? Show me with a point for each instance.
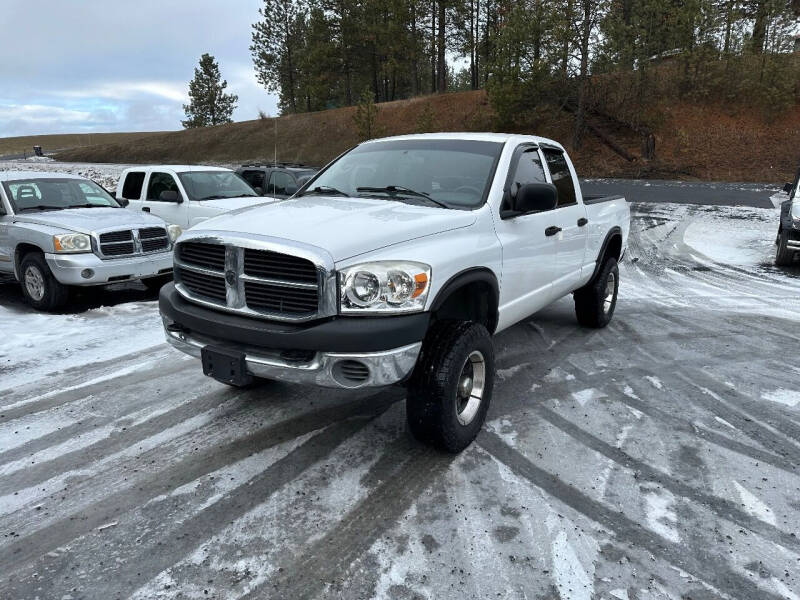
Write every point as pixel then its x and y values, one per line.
pixel 324 369
pixel 70 269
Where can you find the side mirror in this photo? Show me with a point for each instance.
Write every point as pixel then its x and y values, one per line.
pixel 787 187
pixel 259 190
pixel 169 196
pixel 123 202
pixel 535 197
pixel 291 189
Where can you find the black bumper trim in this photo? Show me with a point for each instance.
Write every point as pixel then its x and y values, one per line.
pixel 338 334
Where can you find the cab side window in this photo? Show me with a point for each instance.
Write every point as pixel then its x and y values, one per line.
pixel 527 170
pixel 132 186
pixel 161 182
pixel 279 182
pixel 561 176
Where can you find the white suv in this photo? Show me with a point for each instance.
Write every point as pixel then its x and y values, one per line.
pixel 185 195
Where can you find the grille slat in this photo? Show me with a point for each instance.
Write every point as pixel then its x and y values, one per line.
pixel 203 285
pixel 274 265
pixel 121 243
pixel 152 232
pixel 154 244
pixel 116 236
pixel 209 256
pixel 281 299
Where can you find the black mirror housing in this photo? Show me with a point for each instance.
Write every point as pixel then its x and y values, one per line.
pixel 787 187
pixel 123 202
pixel 535 197
pixel 170 196
pixel 259 190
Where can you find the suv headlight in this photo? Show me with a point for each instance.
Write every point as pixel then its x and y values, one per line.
pixel 72 243
pixel 384 287
pixel 174 232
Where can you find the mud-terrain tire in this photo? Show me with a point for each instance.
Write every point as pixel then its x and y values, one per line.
pixel 596 301
pixel 39 288
pixel 451 388
pixel 783 255
pixel 154 284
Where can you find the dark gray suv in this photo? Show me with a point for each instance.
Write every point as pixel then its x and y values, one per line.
pixel 279 180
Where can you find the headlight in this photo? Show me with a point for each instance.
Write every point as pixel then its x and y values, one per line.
pixel 384 287
pixel 174 232
pixel 72 242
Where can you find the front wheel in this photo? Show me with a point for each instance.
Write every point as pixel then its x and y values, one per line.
pixel 596 301
pixel 450 391
pixel 40 289
pixel 783 255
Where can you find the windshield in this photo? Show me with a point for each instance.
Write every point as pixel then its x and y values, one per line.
pixel 214 185
pixel 449 173
pixel 28 195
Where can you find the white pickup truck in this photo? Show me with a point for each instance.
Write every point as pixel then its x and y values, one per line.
pixel 185 195
pixel 396 264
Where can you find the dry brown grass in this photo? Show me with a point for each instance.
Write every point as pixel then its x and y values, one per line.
pixel 708 142
pixel 52 143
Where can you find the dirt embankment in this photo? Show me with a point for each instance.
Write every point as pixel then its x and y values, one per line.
pixel 54 142
pixel 707 142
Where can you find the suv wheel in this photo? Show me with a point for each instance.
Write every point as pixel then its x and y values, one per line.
pixel 596 301
pixel 40 289
pixel 783 255
pixel 450 391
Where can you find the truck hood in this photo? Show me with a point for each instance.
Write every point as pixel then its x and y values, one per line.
pixel 87 220
pixel 226 204
pixel 344 227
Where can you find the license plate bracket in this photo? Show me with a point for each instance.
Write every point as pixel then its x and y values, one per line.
pixel 227 366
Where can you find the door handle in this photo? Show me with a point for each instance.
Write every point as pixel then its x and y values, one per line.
pixel 582 221
pixel 552 230
pixel 146 209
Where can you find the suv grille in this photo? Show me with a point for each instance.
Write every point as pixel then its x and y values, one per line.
pixel 129 242
pixel 268 283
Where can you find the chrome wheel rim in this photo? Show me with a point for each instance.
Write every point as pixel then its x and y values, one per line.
pixel 34 283
pixel 609 299
pixel 471 384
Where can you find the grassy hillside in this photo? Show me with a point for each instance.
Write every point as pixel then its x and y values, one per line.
pixel 50 143
pixel 711 142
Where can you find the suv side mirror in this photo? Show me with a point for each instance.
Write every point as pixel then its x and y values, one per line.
pixel 535 197
pixel 123 202
pixel 259 190
pixel 787 187
pixel 170 196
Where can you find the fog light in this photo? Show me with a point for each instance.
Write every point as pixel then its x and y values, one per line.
pixel 87 273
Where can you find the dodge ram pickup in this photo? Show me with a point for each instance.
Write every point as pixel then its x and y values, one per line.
pixel 788 240
pixel 396 264
pixel 185 195
pixel 59 230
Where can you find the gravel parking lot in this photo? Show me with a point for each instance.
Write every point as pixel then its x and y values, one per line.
pixel 657 458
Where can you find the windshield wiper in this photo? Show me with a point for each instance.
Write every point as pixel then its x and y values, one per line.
pixel 215 197
pixel 86 206
pixel 402 191
pixel 324 189
pixel 41 207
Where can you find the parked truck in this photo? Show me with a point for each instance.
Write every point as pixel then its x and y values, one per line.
pixel 185 195
pixel 59 231
pixel 788 239
pixel 395 265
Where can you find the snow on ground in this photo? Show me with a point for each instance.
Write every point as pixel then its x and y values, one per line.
pixel 656 458
pixel 106 175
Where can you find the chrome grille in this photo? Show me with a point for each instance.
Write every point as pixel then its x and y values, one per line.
pixel 250 281
pixel 132 242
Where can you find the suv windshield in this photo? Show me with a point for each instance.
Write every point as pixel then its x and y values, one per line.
pixel 29 195
pixel 214 185
pixel 431 172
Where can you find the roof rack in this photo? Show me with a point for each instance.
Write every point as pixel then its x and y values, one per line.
pixel 278 164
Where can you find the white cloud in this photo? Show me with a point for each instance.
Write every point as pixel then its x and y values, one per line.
pixel 127 90
pixel 40 113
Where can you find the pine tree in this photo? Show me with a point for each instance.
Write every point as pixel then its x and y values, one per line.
pixel 209 104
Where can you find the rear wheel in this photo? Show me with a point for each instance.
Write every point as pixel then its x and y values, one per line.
pixel 596 301
pixel 783 255
pixel 451 389
pixel 40 289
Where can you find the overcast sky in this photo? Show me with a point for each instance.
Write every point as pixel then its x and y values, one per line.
pixel 112 65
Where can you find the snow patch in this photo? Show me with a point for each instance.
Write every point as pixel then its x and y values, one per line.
pixel 558 374
pixel 655 382
pixel 661 517
pixel 783 396
pixel 571 578
pixel 754 506
pixel 584 396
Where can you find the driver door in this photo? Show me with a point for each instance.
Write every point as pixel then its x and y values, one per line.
pixel 6 255
pixel 172 212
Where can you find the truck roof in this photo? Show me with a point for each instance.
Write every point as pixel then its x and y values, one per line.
pixel 471 135
pixel 177 168
pixel 14 175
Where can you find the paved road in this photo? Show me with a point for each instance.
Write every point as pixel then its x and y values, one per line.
pixel 715 194
pixel 655 459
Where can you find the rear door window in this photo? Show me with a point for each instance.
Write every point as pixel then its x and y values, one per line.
pixel 561 176
pixel 254 178
pixel 161 182
pixel 132 186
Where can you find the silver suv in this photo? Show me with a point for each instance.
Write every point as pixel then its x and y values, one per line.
pixel 59 230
